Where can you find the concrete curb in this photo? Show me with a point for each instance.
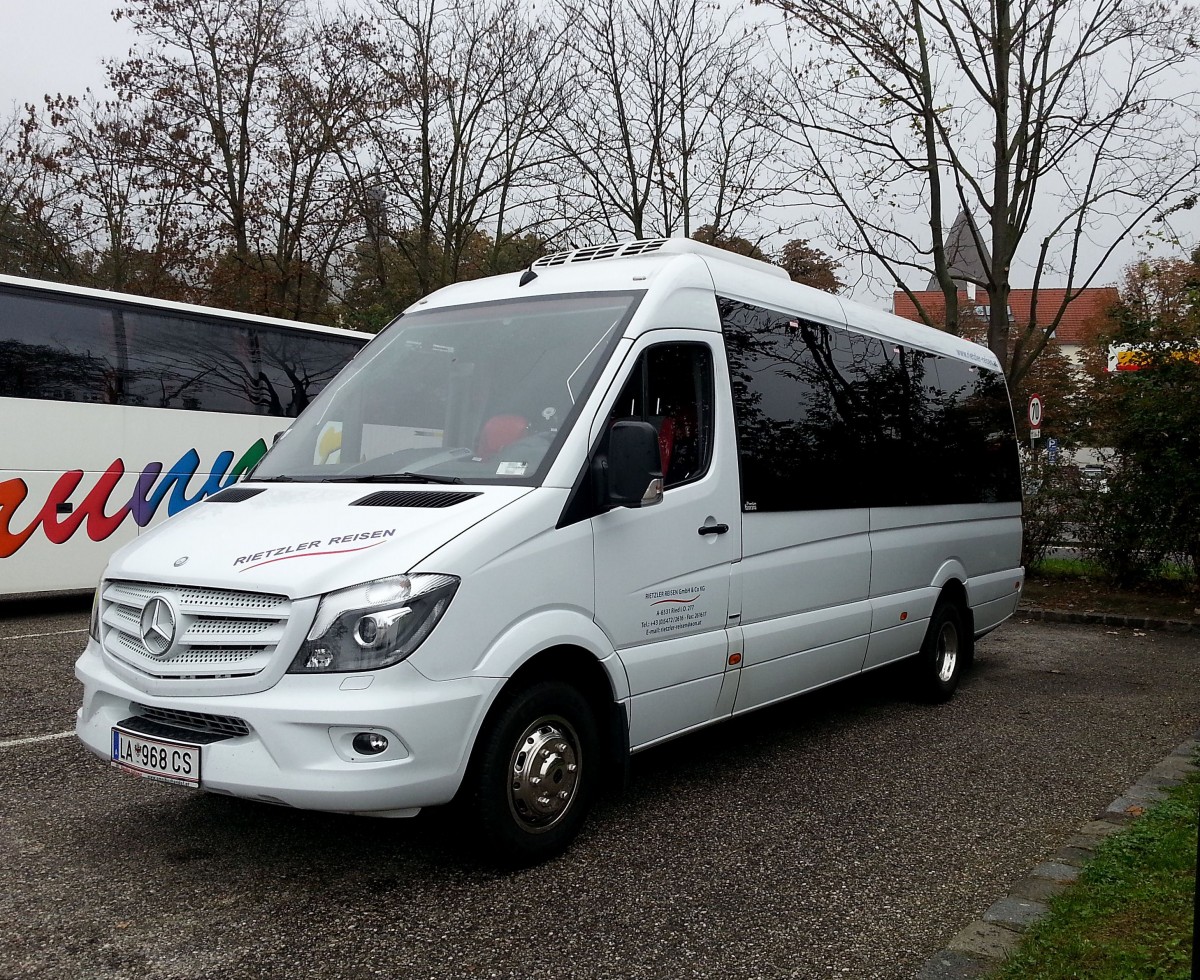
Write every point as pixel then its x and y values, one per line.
pixel 981 948
pixel 1106 619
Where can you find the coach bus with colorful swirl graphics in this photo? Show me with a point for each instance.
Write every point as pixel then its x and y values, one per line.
pixel 118 411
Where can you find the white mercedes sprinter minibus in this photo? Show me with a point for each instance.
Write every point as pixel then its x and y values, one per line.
pixel 548 519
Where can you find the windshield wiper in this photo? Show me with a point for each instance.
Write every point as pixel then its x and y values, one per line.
pixel 406 477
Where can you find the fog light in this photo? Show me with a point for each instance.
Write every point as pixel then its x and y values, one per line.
pixel 369 743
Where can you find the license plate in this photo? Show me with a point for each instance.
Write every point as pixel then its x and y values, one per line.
pixel 156 758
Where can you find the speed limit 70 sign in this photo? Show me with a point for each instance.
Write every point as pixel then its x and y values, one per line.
pixel 1035 415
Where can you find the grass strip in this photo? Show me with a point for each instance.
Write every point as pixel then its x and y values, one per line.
pixel 1166 573
pixel 1066 568
pixel 1130 914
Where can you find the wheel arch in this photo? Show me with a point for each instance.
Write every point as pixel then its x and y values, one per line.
pixel 954 591
pixel 541 636
pixel 594 679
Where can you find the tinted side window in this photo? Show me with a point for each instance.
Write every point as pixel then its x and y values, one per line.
pixel 290 368
pixel 60 350
pixel 227 366
pixel 831 418
pixel 76 349
pixel 180 362
pixel 997 460
pixel 805 399
pixel 671 387
pixel 964 446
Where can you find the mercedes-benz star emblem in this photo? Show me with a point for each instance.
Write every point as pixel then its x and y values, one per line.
pixel 157 626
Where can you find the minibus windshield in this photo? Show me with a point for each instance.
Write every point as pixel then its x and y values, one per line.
pixel 483 393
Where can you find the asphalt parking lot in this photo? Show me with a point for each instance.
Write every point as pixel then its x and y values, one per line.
pixel 849 833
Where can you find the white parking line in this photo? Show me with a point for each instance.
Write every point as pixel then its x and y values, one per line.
pixel 31 636
pixel 36 738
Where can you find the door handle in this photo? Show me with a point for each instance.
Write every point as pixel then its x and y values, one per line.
pixel 714 529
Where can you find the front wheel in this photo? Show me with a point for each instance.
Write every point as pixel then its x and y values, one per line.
pixel 944 653
pixel 534 773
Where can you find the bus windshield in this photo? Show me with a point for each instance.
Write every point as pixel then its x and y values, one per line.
pixel 468 394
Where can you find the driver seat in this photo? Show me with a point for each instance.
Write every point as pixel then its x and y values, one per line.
pixel 498 432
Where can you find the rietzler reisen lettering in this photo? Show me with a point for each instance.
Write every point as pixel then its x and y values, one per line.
pixel 291 549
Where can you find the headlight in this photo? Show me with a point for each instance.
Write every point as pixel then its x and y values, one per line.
pixel 373 625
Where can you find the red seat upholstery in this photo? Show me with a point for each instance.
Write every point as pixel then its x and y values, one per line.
pixel 666 441
pixel 498 432
pixel 678 445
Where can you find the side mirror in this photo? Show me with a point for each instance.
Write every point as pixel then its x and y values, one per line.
pixel 631 474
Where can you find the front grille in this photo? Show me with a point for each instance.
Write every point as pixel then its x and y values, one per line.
pixel 194 721
pixel 213 633
pixel 595 253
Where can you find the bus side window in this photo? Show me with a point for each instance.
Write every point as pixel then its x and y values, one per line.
pixel 57 350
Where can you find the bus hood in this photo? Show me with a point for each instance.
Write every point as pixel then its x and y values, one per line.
pixel 306 539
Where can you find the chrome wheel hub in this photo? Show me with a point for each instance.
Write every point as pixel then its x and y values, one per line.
pixel 947 652
pixel 544 774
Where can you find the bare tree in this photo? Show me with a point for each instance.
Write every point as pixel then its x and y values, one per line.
pixel 35 238
pixel 310 217
pixel 662 130
pixel 204 69
pixel 246 101
pixel 1067 124
pixel 133 224
pixel 458 151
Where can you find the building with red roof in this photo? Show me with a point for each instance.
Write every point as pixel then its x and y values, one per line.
pixel 1084 309
pixel 967 258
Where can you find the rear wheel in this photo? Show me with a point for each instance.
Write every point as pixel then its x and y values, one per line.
pixel 534 773
pixel 944 653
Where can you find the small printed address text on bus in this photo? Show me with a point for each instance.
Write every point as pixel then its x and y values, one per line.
pixel 674 610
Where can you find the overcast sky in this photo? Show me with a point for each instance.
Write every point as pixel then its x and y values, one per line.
pixel 55 46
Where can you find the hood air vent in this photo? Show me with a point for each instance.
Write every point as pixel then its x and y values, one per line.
pixel 414 498
pixel 235 495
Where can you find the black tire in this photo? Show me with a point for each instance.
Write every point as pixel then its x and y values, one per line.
pixel 533 773
pixel 945 652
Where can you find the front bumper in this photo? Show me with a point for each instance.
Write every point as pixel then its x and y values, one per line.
pixel 299 748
